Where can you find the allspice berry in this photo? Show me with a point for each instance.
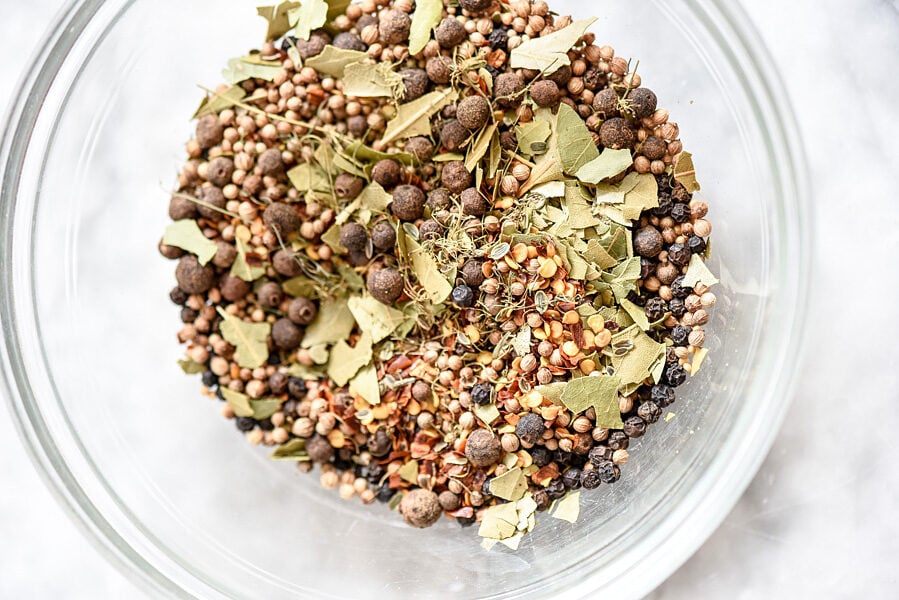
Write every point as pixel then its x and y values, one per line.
pixel 545 93
pixel 430 230
pixel 474 6
pixel 311 47
pixel 473 203
pixel 507 89
pixel 421 391
pixel 225 254
pixel 473 112
pixel 349 41
pixel 385 285
pixel 408 203
pixel 269 294
pixel 439 69
pixel 348 186
pixel 209 131
pixel 482 448
pixel 450 33
pixel 415 83
pixel 473 272
pixel 508 140
pixel 353 237
pixel 383 236
pixel 281 218
pixel 642 102
pixel 530 429
pixel 270 162
pixel 561 76
pixel 439 199
pixel 219 171
pixel 181 208
pixel 234 288
pixel 193 277
pixel 616 134
pixel 301 311
pixel 648 241
pixel 387 173
pixel 394 27
pixel 420 147
pixel 420 508
pixel 654 148
pixel 319 449
pixel 455 177
pixel 286 335
pixel 286 264
pixel 449 500
pixel 211 198
pixel 454 135
pixel 605 103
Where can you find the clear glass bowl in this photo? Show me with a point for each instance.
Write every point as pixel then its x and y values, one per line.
pixel 170 491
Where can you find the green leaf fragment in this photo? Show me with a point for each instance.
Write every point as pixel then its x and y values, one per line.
pixel 499 521
pixel 414 118
pixel 549 53
pixel 636 313
pixel 532 137
pixel 426 17
pixel 698 272
pixel 242 267
pixel 487 413
pixel 278 22
pixel 309 16
pixel 294 450
pixel 250 67
pixel 375 318
pixel 608 164
pixel 552 391
pixel 190 366
pixel 480 147
pixel 685 172
pixel 346 361
pixel 365 385
pixel 239 403
pixel 371 80
pixel 186 234
pixel 333 323
pixel 409 472
pixel 576 146
pixel 216 103
pixel 636 364
pixel 568 508
pixel 698 359
pixel 250 340
pixel 428 273
pixel 596 390
pixel 337 8
pixel 511 485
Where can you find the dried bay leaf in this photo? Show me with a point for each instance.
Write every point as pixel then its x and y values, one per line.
pixel 698 272
pixel 333 323
pixel 698 359
pixel 190 366
pixel 360 151
pixel 426 17
pixel 246 269
pixel 534 133
pixel 414 118
pixel 480 147
pixel 548 166
pixel 428 273
pixel 365 385
pixel 306 178
pixel 250 340
pixel 637 363
pixel 576 147
pixel 333 61
pixel 499 521
pixel 511 485
pixel 580 214
pixel 212 105
pixel 309 16
pixel 642 196
pixel 239 403
pixel 598 255
pixel 636 312
pixel 301 286
pixel 608 164
pixel 186 234
pixel 496 155
pixel 371 80
pixel 294 449
pixel 685 172
pixel 346 361
pixel 487 413
pixel 250 67
pixel 278 22
pixel 568 508
pixel 409 472
pixel 374 317
pixel 581 393
pixel 337 8
pixel 265 407
pixel 549 53
pixel 552 391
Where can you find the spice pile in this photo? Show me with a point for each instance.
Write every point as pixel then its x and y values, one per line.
pixel 447 252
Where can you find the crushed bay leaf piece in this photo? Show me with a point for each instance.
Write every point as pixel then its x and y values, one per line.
pixel 698 359
pixel 371 80
pixel 698 272
pixel 499 521
pixel 685 173
pixel 414 118
pixel 428 273
pixel 345 361
pixel 488 543
pixel 186 234
pixel 549 53
pixel 365 385
pixel 239 403
pixel 513 542
pixel 319 354
pixel 608 164
pixel 294 449
pixel 548 166
pixel 552 391
pixel 333 61
pixel 190 366
pixel 278 22
pixel 487 413
pixel 300 286
pixel 250 67
pixel 242 268
pixel 360 151
pixel 333 323
pixel 409 472
pixel 426 17
pixel 511 485
pixel 212 105
pixel 642 196
pixel 576 146
pixel 263 408
pixel 337 8
pixel 534 133
pixel 636 364
pixel 568 508
pixel 309 16
pixel 480 147
pixel 596 390
pixel 669 416
pixel 250 340
pixel 636 312
pixel 375 318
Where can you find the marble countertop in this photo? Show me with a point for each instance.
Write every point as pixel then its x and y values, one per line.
pixel 820 517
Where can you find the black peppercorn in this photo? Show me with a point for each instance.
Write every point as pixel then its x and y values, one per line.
pixel 662 394
pixel 383 236
pixel 473 272
pixel 385 493
pixel 675 375
pixel 357 125
pixel 649 411
pixel 676 307
pixel 385 285
pixel 664 207
pixel 454 135
pixel 634 426
pixel 696 244
pixel 572 478
pixel 379 444
pixel 233 288
pixel 245 424
pixel 679 290
pixel 456 177
pixel 450 33
pixel 617 440
pixel 616 133
pixel 296 387
pixel 277 383
pixel 508 140
pixel 541 498
pixel 311 47
pixel 210 379
pixel 654 148
pixel 285 263
pixel 408 203
pixel 473 203
pixel 349 41
pixel 178 296
pixel 590 479
pixel 415 83
pixel 556 489
pixel 655 308
pixel 462 296
pixel 609 472
pixel 680 212
pixel 599 455
pixel 481 394
pixel 680 334
pixel 540 455
pixel 530 428
pixel 319 449
pixel 387 172
pixel 499 38
pixel 439 199
pixel 562 76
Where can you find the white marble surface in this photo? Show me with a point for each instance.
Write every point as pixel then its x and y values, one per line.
pixel 820 518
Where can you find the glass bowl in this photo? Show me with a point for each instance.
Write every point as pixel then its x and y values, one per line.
pixel 171 492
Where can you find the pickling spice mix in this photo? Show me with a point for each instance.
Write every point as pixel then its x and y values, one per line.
pixel 448 253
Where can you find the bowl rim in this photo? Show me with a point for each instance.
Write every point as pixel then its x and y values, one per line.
pixel 694 520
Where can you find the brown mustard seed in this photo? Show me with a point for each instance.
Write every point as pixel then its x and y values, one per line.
pixel 209 131
pixel 450 33
pixel 281 218
pixel 387 173
pixel 383 236
pixel 286 335
pixel 473 203
pixel 482 448
pixel 420 508
pixel 415 83
pixel 348 186
pixel 473 112
pixel 545 93
pixel 193 277
pixel 353 237
pixel 385 285
pixel 408 203
pixel 616 134
pixel 507 89
pixel 454 135
pixel 455 177
pixel 301 311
